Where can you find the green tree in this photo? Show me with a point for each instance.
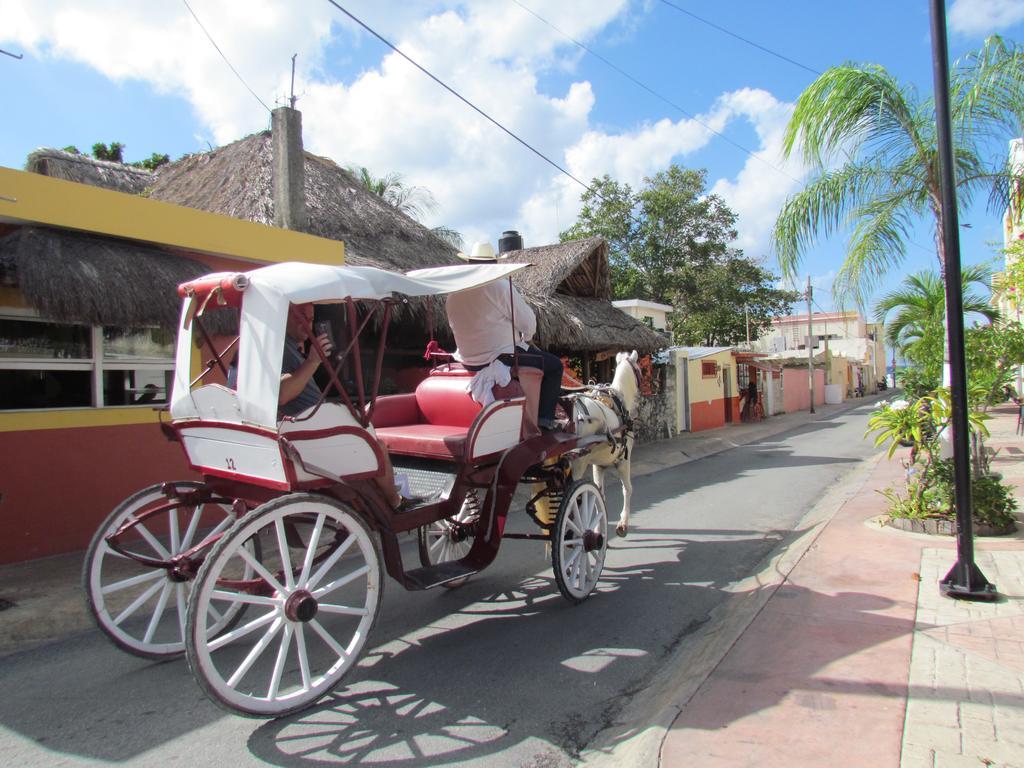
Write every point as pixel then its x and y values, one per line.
pixel 152 162
pixel 916 315
pixel 726 301
pixel 871 144
pixel 659 235
pixel 414 202
pixel 114 153
pixel 669 242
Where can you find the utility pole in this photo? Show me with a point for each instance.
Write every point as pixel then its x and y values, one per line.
pixel 810 348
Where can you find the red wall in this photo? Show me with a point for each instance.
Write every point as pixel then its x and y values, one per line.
pixel 704 415
pixel 58 485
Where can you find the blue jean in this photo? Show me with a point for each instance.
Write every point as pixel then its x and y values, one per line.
pixel 550 385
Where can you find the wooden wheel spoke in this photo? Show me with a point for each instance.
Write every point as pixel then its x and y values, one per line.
pixel 279 662
pixel 152 541
pixel 314 542
pixel 338 583
pixel 260 569
pixel 286 560
pixel 158 612
pixel 342 610
pixel 244 597
pixel 326 637
pixel 334 557
pixel 193 526
pixel 142 578
pixel 245 629
pixel 255 653
pixel 303 654
pixel 138 602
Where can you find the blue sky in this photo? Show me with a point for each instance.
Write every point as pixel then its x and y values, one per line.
pixel 145 74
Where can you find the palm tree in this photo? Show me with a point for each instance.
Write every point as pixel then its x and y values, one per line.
pixel 414 202
pixel 916 328
pixel 871 143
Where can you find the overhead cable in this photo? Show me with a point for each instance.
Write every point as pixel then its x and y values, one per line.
pixel 466 101
pixel 217 47
pixel 654 93
pixel 722 29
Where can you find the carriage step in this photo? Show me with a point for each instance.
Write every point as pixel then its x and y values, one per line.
pixel 436 575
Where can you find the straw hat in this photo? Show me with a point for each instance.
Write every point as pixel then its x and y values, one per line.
pixel 481 251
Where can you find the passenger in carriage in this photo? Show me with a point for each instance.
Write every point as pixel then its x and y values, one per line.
pixel 482 323
pixel 300 391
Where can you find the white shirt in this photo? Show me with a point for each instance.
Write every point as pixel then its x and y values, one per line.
pixel 481 321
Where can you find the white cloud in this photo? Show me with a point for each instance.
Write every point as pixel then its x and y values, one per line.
pixel 764 182
pixel 391 118
pixel 983 17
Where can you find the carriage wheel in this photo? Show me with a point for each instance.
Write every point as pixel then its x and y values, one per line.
pixel 141 608
pixel 451 538
pixel 580 540
pixel 313 600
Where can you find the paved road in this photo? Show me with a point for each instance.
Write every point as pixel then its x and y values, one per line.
pixel 502 672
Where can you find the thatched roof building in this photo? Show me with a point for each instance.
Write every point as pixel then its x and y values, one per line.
pixel 84 169
pixel 569 286
pixel 235 180
pixel 96 280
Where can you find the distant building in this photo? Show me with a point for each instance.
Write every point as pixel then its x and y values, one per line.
pixel 650 312
pixel 855 348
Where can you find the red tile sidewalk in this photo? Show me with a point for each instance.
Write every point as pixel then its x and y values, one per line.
pixel 823 673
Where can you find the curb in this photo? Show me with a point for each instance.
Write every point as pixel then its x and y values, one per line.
pixel 694 663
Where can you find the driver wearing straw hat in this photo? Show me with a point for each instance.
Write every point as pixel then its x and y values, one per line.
pixel 482 322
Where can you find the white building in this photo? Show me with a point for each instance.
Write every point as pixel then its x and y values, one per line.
pixel 650 312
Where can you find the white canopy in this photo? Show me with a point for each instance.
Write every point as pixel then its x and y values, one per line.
pixel 265 311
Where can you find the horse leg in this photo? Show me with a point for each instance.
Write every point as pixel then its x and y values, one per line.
pixel 599 477
pixel 625 475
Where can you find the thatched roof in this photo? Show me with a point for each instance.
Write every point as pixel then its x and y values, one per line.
pixel 83 278
pixel 70 166
pixel 235 180
pixel 569 286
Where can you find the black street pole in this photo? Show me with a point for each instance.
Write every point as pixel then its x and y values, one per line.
pixel 964 580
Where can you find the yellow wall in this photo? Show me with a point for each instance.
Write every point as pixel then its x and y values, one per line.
pixel 711 389
pixel 29 198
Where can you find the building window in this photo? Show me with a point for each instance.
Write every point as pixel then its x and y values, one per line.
pixel 708 370
pixel 45 364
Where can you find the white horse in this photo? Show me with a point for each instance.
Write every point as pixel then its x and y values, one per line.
pixel 610 409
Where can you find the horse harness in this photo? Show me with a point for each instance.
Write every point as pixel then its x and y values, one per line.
pixel 618 405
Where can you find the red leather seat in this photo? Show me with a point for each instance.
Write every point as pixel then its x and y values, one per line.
pixel 431 423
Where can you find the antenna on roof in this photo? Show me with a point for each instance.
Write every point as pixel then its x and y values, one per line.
pixel 291 99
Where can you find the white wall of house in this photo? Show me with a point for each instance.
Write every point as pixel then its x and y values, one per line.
pixel 644 310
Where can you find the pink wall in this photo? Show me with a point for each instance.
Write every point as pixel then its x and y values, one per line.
pixel 796 395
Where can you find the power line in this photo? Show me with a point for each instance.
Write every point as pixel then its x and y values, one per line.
pixel 217 47
pixel 654 93
pixel 760 47
pixel 467 102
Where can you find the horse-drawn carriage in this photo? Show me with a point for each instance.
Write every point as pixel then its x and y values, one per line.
pixel 268 572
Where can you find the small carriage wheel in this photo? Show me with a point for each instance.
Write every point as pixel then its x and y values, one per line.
pixel 580 540
pixel 141 607
pixel 451 538
pixel 313 601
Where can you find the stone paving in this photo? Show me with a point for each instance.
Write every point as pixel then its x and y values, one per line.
pixel 966 697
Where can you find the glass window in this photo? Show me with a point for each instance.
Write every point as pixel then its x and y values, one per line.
pixel 127 343
pixel 29 338
pixel 25 389
pixel 57 365
pixel 136 387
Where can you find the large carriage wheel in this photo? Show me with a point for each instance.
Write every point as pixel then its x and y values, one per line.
pixel 313 599
pixel 580 540
pixel 142 607
pixel 452 537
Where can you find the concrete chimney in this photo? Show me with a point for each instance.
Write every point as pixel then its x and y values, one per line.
pixel 289 170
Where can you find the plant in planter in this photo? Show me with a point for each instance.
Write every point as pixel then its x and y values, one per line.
pixel 929 491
